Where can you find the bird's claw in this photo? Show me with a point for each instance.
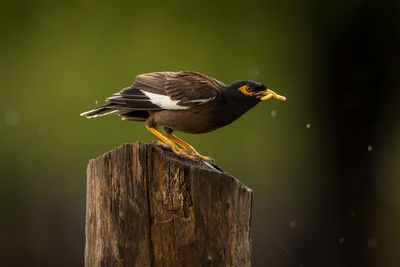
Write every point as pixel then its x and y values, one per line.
pixel 194 153
pixel 161 143
pixel 186 153
pixel 169 146
pixel 205 158
pixel 178 151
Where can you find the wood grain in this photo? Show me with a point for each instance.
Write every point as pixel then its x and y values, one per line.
pixel 148 207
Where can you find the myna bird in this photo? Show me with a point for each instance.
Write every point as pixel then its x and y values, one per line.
pixel 189 102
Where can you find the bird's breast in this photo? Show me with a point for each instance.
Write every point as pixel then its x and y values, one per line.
pixel 229 110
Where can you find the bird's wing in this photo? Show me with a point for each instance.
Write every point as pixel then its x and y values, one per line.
pixel 166 90
pixel 192 88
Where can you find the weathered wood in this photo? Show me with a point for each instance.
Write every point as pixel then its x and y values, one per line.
pixel 147 207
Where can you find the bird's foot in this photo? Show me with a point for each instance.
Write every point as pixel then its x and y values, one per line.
pixel 187 150
pixel 186 153
pixel 194 153
pixel 178 151
pixel 165 145
pixel 174 148
pixel 205 158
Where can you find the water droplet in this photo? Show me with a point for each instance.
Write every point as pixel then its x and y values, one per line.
pixel 273 113
pixel 292 224
pixel 369 148
pixel 373 242
pixel 253 73
pixel 308 125
pixel 96 102
pixel 12 118
pixel 341 240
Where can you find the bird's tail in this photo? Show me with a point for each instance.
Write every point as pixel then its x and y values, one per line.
pixel 100 111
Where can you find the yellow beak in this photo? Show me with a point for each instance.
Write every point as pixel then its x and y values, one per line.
pixel 269 93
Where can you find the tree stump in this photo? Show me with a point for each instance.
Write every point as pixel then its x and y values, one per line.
pixel 148 207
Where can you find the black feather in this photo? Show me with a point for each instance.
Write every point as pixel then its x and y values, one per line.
pixel 132 102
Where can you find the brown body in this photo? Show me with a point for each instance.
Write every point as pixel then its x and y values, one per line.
pixel 197 121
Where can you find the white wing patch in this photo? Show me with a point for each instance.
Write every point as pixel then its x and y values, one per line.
pixel 163 101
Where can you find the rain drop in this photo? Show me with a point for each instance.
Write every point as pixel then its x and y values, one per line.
pixel 308 125
pixel 12 118
pixel 253 73
pixel 273 113
pixel 369 148
pixel 96 102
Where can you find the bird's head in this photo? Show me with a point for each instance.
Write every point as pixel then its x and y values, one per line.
pixel 253 90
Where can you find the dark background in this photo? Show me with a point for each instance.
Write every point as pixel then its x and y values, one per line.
pixel 324 165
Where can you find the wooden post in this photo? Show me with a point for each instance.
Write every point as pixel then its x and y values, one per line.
pixel 147 207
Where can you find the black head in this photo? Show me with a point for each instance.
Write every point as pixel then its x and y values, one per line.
pixel 252 91
pixel 239 97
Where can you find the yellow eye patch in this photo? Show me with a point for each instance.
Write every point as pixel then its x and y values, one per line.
pixel 245 90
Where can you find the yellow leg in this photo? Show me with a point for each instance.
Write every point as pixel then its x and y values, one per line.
pixel 167 142
pixel 188 148
pixel 165 139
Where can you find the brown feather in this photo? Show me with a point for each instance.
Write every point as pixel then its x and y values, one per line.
pixel 191 86
pixel 184 86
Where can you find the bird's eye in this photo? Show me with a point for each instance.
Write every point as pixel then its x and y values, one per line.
pixel 248 88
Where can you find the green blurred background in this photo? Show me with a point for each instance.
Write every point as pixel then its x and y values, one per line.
pixel 324 165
